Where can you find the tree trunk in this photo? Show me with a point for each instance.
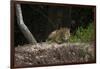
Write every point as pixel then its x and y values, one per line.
pixel 28 35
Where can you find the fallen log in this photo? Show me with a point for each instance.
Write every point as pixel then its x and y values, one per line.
pixel 47 54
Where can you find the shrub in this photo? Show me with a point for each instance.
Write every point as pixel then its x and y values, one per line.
pixel 83 34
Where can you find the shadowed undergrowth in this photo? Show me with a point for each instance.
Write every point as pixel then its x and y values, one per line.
pixel 86 34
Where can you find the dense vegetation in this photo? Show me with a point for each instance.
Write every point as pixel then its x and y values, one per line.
pixel 84 34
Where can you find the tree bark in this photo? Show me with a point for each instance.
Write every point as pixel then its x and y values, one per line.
pixel 28 35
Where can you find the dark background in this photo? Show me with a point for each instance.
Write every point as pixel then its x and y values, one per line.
pixel 42 19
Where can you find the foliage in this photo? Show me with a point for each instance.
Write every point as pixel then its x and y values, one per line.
pixel 83 34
